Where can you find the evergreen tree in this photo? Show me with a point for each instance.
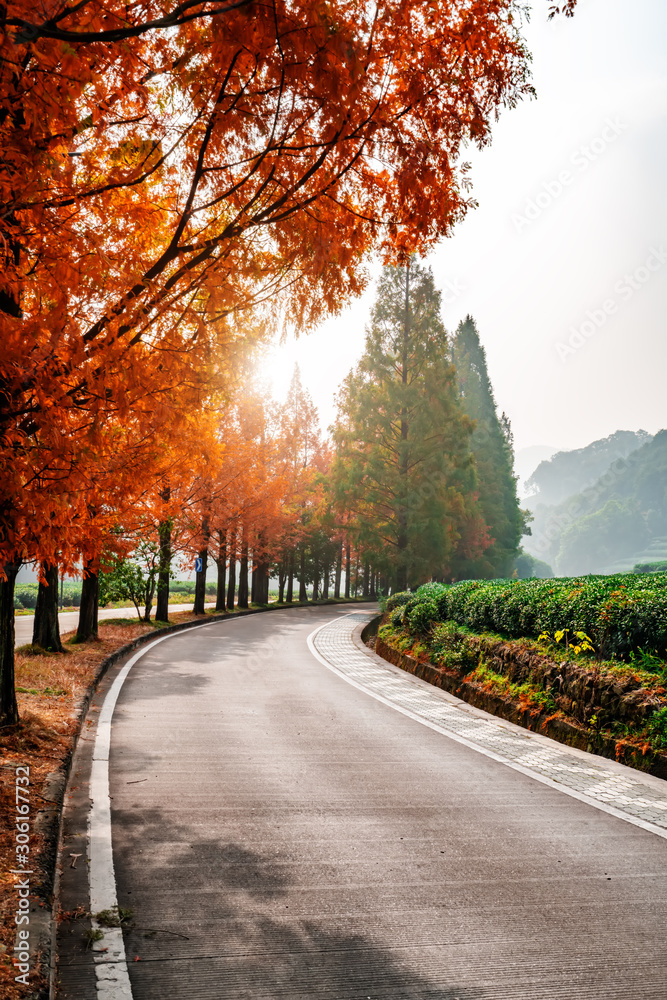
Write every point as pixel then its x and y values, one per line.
pixel 492 445
pixel 299 425
pixel 403 468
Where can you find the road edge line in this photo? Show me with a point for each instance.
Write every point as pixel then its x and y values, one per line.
pixel 111 970
pixel 572 792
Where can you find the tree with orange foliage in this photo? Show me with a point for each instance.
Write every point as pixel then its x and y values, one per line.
pixel 152 188
pixel 166 166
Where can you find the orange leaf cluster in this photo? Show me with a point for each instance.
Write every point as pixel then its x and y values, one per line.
pixel 175 178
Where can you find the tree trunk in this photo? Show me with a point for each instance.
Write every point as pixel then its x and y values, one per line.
pixel 339 571
pixel 347 569
pixel 148 603
pixel 290 580
pixel 367 580
pixel 303 592
pixel 90 593
pixel 164 571
pixel 325 582
pixel 232 571
pixel 45 631
pixel 9 712
pixel 243 573
pixel 200 578
pixel 282 576
pixel 253 581
pixel 222 571
pixel 262 582
pixel 200 585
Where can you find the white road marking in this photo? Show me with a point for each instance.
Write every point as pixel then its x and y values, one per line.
pixel 113 981
pixel 372 668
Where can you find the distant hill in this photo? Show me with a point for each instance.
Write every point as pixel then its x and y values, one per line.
pixel 526 461
pixel 569 472
pixel 613 523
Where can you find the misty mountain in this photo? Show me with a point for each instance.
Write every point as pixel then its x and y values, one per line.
pixel 569 472
pixel 526 461
pixel 616 521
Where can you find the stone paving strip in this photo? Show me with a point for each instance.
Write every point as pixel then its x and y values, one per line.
pixel 614 788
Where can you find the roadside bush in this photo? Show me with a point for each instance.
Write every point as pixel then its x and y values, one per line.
pixel 72 596
pixel 398 600
pixel 27 597
pixel 622 614
pixel 420 614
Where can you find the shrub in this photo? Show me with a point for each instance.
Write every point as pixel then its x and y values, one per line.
pixel 623 614
pixel 72 596
pixel 398 600
pixel 27 596
pixel 420 614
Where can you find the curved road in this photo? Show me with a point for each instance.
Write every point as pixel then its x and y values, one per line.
pixel 277 833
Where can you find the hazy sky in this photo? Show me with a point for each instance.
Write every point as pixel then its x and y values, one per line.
pixel 564 262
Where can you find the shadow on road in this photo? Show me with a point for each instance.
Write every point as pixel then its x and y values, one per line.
pixel 212 919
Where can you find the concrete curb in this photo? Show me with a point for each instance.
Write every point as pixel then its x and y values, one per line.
pixel 566 731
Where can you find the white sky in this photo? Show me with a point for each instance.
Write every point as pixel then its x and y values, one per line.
pixel 529 282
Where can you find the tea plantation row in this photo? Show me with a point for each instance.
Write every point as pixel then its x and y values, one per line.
pixel 622 614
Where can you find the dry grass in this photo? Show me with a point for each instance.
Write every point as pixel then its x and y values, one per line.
pixel 50 689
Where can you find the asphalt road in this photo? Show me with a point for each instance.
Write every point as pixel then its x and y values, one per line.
pixel 68 620
pixel 277 833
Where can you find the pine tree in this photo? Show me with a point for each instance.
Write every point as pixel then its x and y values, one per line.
pixel 299 425
pixel 492 445
pixel 403 467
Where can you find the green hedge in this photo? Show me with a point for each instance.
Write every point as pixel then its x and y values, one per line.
pixel 622 614
pixel 25 595
pixel 651 567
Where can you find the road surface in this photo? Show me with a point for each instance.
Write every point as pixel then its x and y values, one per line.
pixel 279 833
pixel 69 620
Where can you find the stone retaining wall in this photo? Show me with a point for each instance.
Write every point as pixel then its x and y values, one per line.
pixel 578 691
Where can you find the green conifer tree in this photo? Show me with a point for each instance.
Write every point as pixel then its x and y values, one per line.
pixel 403 468
pixel 494 454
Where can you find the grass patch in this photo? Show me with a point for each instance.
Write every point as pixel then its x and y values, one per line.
pixel 528 696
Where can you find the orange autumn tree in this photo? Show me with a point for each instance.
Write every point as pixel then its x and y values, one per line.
pixel 165 167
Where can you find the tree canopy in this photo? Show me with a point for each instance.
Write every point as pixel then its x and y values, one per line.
pixel 177 179
pixel 492 448
pixel 403 464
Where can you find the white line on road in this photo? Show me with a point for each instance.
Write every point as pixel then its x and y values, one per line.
pixel 619 814
pixel 113 980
